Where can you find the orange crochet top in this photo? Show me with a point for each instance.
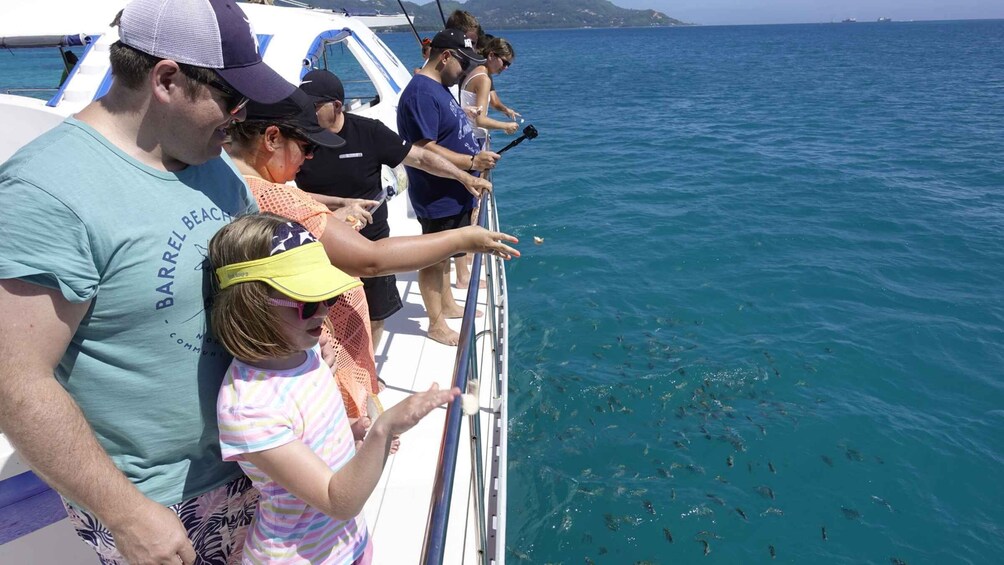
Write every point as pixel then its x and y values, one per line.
pixel 349 321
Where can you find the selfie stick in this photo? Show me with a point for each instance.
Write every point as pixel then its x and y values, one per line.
pixel 529 132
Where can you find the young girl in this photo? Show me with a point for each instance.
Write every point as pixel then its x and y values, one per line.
pixel 280 413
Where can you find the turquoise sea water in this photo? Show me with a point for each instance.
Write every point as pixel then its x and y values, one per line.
pixel 777 247
pixel 776 244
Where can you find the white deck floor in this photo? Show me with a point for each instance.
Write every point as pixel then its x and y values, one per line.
pixel 398 510
pixel 408 361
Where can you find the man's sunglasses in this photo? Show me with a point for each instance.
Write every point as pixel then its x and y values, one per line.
pixel 306 310
pixel 465 63
pixel 235 100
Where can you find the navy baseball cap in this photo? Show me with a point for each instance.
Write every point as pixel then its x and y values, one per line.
pixel 296 110
pixel 213 34
pixel 455 39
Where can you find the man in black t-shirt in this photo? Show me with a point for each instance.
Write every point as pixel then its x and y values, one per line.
pixel 353 171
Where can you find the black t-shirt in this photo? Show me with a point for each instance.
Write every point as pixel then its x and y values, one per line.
pixel 353 170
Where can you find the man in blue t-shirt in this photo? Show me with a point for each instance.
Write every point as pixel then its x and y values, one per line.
pixel 429 117
pixel 108 373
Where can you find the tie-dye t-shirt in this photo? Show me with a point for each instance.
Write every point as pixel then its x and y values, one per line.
pixel 261 409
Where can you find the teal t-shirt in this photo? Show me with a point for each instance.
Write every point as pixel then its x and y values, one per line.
pixel 81 216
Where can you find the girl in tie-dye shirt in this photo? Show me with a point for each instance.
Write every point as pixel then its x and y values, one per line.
pixel 280 413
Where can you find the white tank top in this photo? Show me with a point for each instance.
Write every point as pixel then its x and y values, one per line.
pixel 470 99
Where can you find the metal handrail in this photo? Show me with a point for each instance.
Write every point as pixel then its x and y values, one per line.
pixel 466 365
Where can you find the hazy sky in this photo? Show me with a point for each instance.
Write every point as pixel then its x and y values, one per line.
pixel 710 12
pixel 794 11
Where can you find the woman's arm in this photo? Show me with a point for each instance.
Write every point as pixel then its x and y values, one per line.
pixel 498 105
pixel 482 86
pixel 341 494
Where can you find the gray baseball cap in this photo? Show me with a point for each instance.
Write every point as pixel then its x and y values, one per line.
pixel 214 34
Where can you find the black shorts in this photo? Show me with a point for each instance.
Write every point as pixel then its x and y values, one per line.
pixel 436 225
pixel 381 297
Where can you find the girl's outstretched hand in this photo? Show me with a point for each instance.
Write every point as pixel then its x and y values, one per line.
pixel 405 414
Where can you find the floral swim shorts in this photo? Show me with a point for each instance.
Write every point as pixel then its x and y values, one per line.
pixel 217 523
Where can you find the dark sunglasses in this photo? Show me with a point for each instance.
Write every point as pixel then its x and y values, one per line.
pixel 235 100
pixel 306 310
pixel 505 64
pixel 309 147
pixel 465 63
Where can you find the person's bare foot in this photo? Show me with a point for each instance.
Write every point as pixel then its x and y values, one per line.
pixel 443 334
pixel 458 312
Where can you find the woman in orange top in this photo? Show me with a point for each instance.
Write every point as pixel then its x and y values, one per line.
pixel 268 149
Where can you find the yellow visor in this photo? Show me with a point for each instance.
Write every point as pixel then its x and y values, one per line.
pixel 303 273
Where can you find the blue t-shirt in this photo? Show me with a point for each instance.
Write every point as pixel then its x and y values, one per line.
pixel 428 111
pixel 81 216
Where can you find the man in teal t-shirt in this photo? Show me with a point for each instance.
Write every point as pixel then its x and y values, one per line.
pixel 108 373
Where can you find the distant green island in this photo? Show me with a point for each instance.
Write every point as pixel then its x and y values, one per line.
pixel 514 14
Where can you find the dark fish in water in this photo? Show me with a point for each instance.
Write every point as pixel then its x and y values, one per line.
pixel 705 534
pixel 730 461
pixel 823 529
pixel 850 513
pixel 878 500
pixel 742 514
pixel 590 561
pixel 716 499
pixel 649 507
pixel 672 494
pixel 665 474
pixel 765 491
pixel 721 479
pixel 696 469
pixel 668 534
pixel 896 561
pixel 611 522
pixel 763 430
pixel 602 551
pixel 771 467
pixel 826 460
pixel 749 467
pixel 586 538
pixel 854 454
pixel 773 553
pixel 707 546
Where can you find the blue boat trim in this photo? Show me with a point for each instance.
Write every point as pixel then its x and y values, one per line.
pixel 58 97
pixel 27 504
pixel 263 41
pixel 313 53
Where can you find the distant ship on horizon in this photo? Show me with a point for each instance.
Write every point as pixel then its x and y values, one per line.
pixel 884 20
pixel 850 21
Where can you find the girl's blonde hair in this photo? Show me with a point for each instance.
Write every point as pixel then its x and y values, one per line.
pixel 500 47
pixel 241 317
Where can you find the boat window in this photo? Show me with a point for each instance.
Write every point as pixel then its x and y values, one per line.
pixel 360 91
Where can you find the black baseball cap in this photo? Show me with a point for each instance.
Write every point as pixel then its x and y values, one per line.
pixel 323 85
pixel 455 39
pixel 296 110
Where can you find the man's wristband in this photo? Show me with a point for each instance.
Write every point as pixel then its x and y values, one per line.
pixel 472 163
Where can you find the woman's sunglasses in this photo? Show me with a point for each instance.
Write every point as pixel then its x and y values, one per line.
pixel 306 310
